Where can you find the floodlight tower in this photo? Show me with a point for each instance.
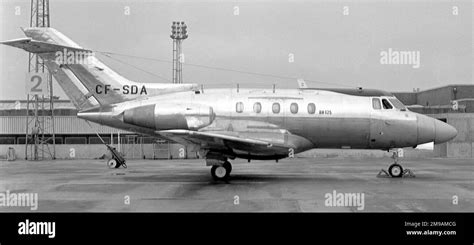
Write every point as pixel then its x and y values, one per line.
pixel 178 34
pixel 39 109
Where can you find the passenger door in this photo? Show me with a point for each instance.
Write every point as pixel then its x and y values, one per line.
pixel 377 138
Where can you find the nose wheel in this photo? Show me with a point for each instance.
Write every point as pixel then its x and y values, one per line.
pixel 221 172
pixel 395 170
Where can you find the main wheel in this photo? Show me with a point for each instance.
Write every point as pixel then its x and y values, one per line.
pixel 227 166
pixel 395 170
pixel 112 163
pixel 219 172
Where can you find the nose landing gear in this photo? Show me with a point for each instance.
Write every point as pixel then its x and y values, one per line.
pixel 396 170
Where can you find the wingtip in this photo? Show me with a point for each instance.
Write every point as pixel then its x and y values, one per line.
pixel 8 42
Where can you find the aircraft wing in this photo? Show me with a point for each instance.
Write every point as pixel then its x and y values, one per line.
pixel 239 143
pixel 210 138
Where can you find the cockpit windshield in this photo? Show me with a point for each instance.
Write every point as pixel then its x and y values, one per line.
pixel 399 105
pixel 386 104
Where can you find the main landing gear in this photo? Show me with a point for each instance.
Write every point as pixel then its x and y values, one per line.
pixel 220 170
pixel 395 170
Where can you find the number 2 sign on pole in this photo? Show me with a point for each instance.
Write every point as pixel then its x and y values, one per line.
pixel 36 83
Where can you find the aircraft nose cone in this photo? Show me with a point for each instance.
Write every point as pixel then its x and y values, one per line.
pixel 426 129
pixel 444 132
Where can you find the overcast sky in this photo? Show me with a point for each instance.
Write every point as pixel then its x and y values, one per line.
pixel 326 44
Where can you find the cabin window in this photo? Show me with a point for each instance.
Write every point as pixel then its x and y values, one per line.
pixel 276 108
pixel 294 108
pixel 239 107
pixel 257 107
pixel 386 104
pixel 376 104
pixel 311 108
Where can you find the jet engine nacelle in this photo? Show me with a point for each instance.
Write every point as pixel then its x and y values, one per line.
pixel 166 116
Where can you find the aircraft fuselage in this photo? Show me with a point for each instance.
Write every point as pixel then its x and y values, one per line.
pixel 304 119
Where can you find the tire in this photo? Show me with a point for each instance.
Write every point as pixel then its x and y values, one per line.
pixel 219 172
pixel 395 170
pixel 228 166
pixel 113 163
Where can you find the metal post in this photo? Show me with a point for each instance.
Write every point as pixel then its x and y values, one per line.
pixel 174 63
pixel 180 74
pixel 141 147
pixel 118 142
pixel 51 106
pixel 42 127
pixel 35 133
pixel 26 131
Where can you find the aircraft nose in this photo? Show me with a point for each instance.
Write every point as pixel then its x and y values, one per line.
pixel 444 132
pixel 431 129
pixel 426 129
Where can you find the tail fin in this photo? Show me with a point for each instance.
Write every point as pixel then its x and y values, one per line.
pixel 87 81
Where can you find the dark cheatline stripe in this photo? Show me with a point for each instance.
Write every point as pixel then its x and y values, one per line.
pixel 355 92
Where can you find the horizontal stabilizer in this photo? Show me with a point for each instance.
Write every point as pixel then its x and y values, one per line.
pixel 87 81
pixel 38 47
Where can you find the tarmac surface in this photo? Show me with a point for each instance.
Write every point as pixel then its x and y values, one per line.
pixel 291 185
